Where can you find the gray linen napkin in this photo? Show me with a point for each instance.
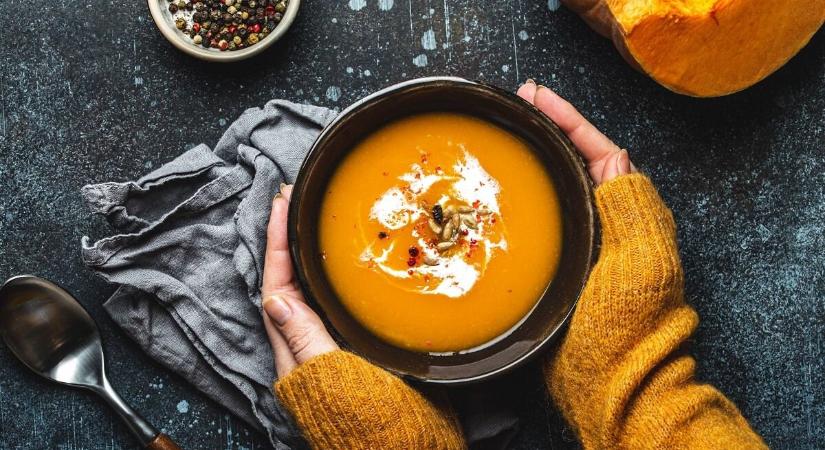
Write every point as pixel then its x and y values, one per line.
pixel 189 257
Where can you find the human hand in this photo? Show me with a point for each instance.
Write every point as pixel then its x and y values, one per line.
pixel 605 160
pixel 295 332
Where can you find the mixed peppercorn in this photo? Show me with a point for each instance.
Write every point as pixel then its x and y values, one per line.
pixel 227 24
pixel 413 260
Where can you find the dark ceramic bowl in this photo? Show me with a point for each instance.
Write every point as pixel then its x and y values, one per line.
pixel 505 110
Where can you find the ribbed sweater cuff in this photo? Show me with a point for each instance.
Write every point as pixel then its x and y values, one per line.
pixel 341 401
pixel 630 209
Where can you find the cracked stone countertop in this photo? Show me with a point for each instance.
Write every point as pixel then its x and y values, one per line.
pixel 90 91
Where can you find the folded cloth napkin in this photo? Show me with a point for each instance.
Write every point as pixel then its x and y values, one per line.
pixel 188 259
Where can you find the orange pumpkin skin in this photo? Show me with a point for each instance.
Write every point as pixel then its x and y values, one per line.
pixel 705 48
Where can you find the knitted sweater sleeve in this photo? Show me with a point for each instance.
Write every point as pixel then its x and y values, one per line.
pixel 341 401
pixel 620 377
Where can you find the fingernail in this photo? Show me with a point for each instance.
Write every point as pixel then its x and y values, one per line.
pixel 283 185
pixel 277 309
pixel 623 163
pixel 530 81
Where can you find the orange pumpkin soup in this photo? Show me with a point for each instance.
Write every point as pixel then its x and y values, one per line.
pixel 440 231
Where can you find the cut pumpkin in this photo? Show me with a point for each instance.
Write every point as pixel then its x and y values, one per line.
pixel 705 48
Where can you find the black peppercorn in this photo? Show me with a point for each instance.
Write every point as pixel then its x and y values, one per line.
pixel 173 8
pixel 438 214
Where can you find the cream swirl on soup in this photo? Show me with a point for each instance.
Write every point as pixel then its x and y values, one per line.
pixel 451 272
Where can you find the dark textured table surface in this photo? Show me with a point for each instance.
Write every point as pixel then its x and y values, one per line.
pixel 90 91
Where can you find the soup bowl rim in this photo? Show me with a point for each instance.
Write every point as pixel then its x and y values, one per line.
pixel 300 186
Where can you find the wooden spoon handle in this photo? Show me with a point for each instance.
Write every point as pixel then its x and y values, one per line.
pixel 162 442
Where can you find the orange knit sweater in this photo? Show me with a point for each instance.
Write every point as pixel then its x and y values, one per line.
pixel 620 376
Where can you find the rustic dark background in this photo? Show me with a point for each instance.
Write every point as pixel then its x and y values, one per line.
pixel 90 91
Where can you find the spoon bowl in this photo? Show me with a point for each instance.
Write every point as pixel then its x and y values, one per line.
pixel 68 350
pixel 49 331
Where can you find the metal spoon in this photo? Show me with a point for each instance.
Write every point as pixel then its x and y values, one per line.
pixel 48 330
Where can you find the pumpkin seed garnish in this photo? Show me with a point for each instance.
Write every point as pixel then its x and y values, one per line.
pixel 469 220
pixel 449 222
pixel 447 232
pixel 444 246
pixel 434 226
